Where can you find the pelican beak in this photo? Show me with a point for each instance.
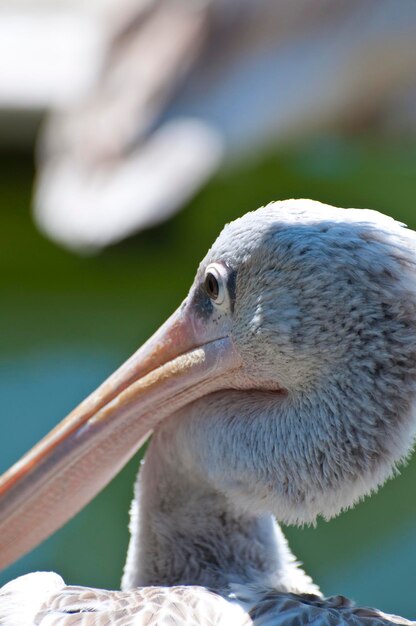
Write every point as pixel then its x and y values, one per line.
pixel 64 471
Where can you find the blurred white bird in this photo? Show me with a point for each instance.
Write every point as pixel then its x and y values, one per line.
pixel 162 92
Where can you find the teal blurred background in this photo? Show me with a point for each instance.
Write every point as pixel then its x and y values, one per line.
pixel 68 321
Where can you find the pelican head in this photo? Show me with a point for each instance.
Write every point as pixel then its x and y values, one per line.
pixel 320 304
pixel 301 325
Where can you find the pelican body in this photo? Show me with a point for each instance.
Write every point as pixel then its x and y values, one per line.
pixel 282 389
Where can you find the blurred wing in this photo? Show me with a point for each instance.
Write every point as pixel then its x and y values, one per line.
pixel 103 173
pixel 86 209
pixel 148 54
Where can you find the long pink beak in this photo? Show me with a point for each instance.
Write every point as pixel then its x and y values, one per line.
pixel 64 471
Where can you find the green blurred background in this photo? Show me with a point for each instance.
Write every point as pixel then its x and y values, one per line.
pixel 67 322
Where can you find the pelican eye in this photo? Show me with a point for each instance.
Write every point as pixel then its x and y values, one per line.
pixel 215 282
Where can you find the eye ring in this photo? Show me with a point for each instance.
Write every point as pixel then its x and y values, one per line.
pixel 215 282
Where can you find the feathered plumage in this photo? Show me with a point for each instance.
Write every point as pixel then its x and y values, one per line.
pixel 283 388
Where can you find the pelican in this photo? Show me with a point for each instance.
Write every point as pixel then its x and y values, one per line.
pixel 283 388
